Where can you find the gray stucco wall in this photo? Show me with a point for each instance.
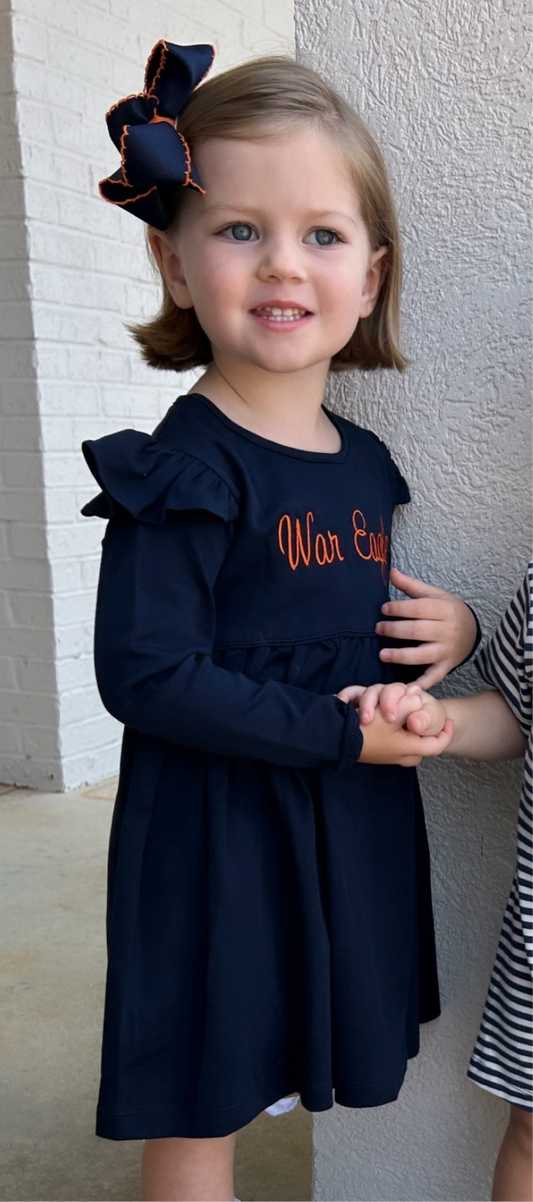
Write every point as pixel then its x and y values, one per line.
pixel 443 87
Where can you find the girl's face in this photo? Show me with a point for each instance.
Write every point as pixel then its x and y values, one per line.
pixel 275 258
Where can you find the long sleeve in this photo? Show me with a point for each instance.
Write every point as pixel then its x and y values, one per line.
pixel 506 661
pixel 154 637
pixel 155 628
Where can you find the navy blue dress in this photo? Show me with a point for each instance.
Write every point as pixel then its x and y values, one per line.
pixel 269 912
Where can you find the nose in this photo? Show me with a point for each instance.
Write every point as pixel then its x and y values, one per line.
pixel 282 259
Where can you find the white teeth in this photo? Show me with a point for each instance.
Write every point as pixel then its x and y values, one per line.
pixel 275 314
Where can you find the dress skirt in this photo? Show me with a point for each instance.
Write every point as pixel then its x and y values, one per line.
pixel 270 931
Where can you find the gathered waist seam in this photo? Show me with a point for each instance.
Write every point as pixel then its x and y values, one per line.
pixel 292 640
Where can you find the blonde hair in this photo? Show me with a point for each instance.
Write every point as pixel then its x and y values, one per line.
pixel 265 98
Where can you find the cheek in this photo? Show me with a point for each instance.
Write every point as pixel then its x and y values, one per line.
pixel 215 293
pixel 341 293
pixel 217 277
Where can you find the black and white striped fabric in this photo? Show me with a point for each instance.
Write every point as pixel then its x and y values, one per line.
pixel 502 1060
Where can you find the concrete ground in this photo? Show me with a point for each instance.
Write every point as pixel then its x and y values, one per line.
pixel 52 963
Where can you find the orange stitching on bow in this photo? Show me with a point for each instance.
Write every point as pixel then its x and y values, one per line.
pixel 213 56
pixel 148 94
pixel 124 183
pixel 131 199
pixel 188 181
pixel 125 133
pixel 135 95
pixel 187 158
pixel 151 91
pixel 132 96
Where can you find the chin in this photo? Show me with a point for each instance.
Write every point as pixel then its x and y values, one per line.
pixel 285 364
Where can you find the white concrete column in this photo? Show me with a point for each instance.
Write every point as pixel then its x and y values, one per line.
pixel 444 89
pixel 75 271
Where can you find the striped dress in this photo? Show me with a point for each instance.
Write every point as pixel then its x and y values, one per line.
pixel 502 1058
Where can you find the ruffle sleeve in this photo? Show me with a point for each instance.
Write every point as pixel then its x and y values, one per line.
pixel 139 474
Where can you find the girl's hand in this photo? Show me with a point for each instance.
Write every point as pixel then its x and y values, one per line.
pixel 385 711
pixel 393 700
pixel 442 623
pixel 430 719
pixel 389 743
pixel 408 704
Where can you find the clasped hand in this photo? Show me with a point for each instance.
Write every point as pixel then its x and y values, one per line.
pixel 401 723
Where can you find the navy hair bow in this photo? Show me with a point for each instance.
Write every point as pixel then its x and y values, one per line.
pixel 144 130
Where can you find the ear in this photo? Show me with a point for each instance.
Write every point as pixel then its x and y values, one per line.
pixel 375 275
pixel 169 262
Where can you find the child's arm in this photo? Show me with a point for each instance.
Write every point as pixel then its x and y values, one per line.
pixel 171 529
pixel 485 728
pixel 444 627
pixel 155 628
pixel 155 671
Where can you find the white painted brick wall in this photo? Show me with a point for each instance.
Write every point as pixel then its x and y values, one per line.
pixel 29 734
pixel 88 274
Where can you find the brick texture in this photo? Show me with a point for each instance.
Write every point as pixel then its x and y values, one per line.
pixel 29 729
pixel 73 271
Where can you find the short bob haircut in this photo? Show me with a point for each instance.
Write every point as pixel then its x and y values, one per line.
pixel 266 98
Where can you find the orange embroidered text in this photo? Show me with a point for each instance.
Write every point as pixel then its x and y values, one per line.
pixel 303 546
pixel 369 545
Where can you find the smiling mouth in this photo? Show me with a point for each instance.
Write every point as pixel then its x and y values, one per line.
pixel 277 314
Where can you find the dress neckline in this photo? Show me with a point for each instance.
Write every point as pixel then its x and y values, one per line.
pixel 279 447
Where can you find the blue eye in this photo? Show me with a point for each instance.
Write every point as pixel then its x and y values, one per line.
pixel 324 237
pixel 240 231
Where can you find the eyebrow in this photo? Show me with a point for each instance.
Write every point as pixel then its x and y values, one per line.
pixel 312 214
pixel 317 214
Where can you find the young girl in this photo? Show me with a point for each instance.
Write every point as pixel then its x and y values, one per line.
pixel 492 726
pixel 269 918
